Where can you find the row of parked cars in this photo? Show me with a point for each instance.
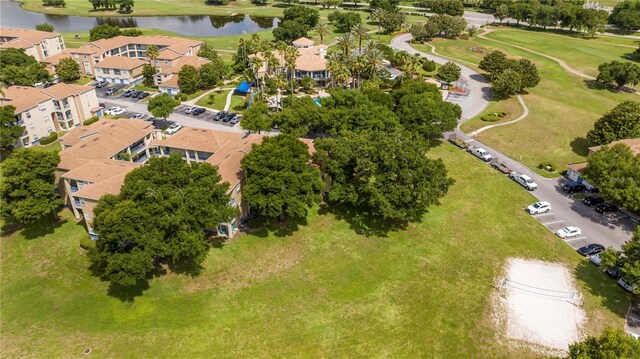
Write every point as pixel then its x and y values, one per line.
pixel 225 116
pixel 136 94
pixel 613 272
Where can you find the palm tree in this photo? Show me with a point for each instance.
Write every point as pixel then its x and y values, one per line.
pixel 345 43
pixel 357 64
pixel 413 63
pixel 280 82
pixel 333 64
pixel 374 62
pixel 342 74
pixel 402 57
pixel 255 64
pixel 271 60
pixel 377 15
pixel 360 32
pixel 322 30
pixel 290 56
pixel 152 54
pixel 371 45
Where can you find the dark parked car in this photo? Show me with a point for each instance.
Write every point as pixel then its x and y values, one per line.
pixel 102 105
pixel 142 95
pixel 228 117
pixel 593 200
pixel 48 84
pixel 219 116
pixel 198 111
pixel 573 187
pixel 129 93
pixel 606 208
pixel 614 272
pixel 591 249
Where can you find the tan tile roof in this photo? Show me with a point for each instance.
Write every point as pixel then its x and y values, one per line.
pixel 228 158
pixel 101 140
pixel 86 49
pixel 100 170
pixel 170 83
pixel 309 62
pixel 167 54
pixel 23 98
pixel 16 44
pixel 176 44
pixel 632 143
pixel 303 41
pixel 61 90
pixel 578 167
pixel 32 36
pixel 111 185
pixel 55 59
pixel 177 65
pixel 120 62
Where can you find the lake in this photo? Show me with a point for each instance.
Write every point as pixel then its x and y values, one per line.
pixel 12 15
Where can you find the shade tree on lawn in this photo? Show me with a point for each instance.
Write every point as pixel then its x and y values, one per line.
pixel 612 343
pixel 509 76
pixel 627 259
pixel 27 191
pixel 9 130
pixel 623 121
pixel 620 73
pixel 279 180
pixel 160 216
pixel 162 106
pixel 257 118
pixel 68 70
pixel 449 72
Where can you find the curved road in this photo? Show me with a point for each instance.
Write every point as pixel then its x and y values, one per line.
pixel 566 211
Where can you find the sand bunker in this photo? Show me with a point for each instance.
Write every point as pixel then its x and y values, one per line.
pixel 540 305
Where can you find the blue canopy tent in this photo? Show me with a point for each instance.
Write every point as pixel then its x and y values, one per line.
pixel 244 87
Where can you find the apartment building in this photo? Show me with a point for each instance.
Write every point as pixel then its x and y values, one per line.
pixel 94 52
pixel 95 160
pixel 310 61
pixel 120 70
pixel 42 111
pixel 167 77
pixel 39 44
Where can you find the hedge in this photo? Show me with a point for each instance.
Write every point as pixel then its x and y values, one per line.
pixel 49 139
pixel 91 120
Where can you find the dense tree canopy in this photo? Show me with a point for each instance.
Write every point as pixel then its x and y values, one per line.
pixel 257 118
pixel 290 30
pixel 161 214
pixel 621 73
pixel 385 175
pixel 616 171
pixel 344 21
pixel 162 106
pixel 68 70
pixel 189 79
pixel 44 27
pixel 449 72
pixel 448 7
pixel 627 259
pixel 509 76
pixel 626 14
pixel 27 191
pixel 623 121
pixel 104 31
pixel 279 181
pixel 18 68
pixel 612 344
pixel 9 130
pixel 303 14
pixel 439 25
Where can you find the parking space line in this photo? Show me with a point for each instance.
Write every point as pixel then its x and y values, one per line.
pixel 548 223
pixel 467 141
pixel 544 214
pixel 574 239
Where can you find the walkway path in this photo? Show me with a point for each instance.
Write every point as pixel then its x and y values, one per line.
pixel 228 103
pixel 522 117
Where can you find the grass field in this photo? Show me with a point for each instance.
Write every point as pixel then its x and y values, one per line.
pixel 220 99
pixel 321 291
pixel 583 55
pixel 511 106
pixel 562 107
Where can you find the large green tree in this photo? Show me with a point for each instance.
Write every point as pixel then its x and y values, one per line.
pixel 449 7
pixel 612 344
pixel 616 171
pixel 621 73
pixel 104 31
pixel 303 14
pixel 280 182
pixel 213 73
pixel 18 68
pixel 68 70
pixel 162 106
pixel 9 130
pixel 257 118
pixel 449 72
pixel 623 121
pixel 27 191
pixel 290 30
pixel 189 79
pixel 494 63
pixel 148 74
pixel 627 259
pixel 626 14
pixel 386 175
pixel 44 27
pixel 161 214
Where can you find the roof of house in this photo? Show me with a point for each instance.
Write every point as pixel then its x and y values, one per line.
pixel 172 82
pixel 228 148
pixel 177 65
pixel 178 45
pixel 167 54
pixel 16 44
pixel 100 140
pixel 55 59
pixel 32 36
pixel 310 62
pixel 86 49
pixel 100 170
pixel 632 143
pixel 24 97
pixel 303 41
pixel 111 185
pixel 578 167
pixel 120 62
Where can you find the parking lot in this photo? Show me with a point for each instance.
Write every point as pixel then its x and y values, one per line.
pixel 208 115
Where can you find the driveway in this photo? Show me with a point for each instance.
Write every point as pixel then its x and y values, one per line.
pixel 566 211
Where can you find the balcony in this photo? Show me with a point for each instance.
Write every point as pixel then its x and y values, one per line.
pixel 137 147
pixel 74 189
pixel 78 202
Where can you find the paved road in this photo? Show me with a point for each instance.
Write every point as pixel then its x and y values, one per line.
pixel 609 231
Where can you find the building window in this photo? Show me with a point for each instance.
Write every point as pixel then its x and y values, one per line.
pixel 28 114
pixel 105 71
pixel 116 72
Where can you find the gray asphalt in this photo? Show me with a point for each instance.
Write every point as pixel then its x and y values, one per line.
pixel 610 231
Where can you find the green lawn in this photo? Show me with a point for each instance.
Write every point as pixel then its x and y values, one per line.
pixel 143 87
pixel 511 106
pixel 220 99
pixel 583 55
pixel 321 291
pixel 562 108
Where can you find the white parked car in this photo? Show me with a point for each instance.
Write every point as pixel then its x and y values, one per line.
pixel 567 232
pixel 190 109
pixel 524 180
pixel 595 259
pixel 626 285
pixel 115 111
pixel 481 153
pixel 538 207
pixel 173 129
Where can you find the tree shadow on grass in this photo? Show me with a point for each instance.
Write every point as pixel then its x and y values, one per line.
pixel 597 85
pixel 361 222
pixel 127 294
pixel 601 286
pixel 35 230
pixel 580 146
